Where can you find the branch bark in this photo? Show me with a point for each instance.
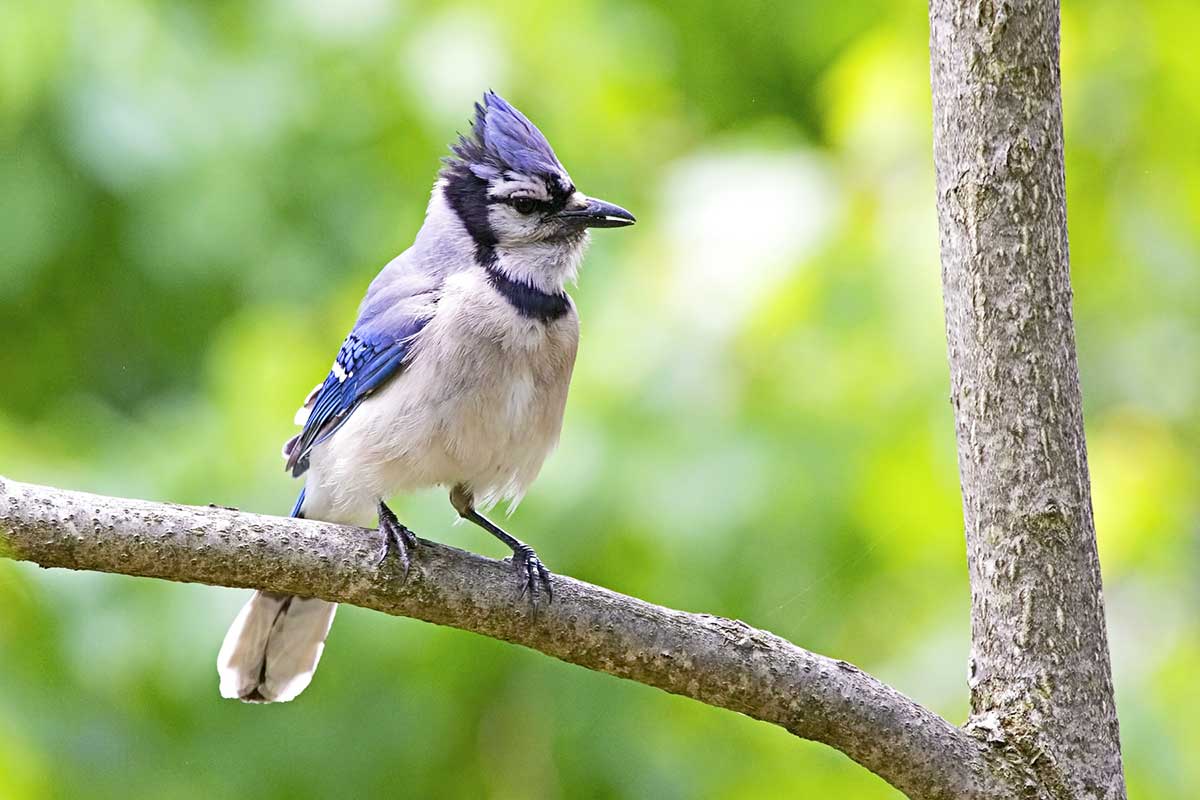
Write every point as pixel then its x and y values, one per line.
pixel 721 662
pixel 1040 674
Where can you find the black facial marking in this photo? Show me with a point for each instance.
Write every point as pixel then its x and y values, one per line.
pixel 560 192
pixel 559 195
pixel 466 193
pixel 528 301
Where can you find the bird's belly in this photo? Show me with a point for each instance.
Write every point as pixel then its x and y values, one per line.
pixel 491 433
pixel 489 427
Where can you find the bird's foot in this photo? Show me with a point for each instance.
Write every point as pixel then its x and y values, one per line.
pixel 397 538
pixel 532 575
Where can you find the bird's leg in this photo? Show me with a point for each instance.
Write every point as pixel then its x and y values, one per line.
pixel 396 537
pixel 532 575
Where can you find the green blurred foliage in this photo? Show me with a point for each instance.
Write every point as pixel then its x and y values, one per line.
pixel 193 196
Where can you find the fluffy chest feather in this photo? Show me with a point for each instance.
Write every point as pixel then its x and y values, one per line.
pixel 480 403
pixel 516 368
pixel 495 385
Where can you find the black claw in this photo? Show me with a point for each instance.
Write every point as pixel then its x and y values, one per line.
pixel 532 575
pixel 409 537
pixel 396 538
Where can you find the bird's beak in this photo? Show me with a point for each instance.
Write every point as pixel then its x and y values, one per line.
pixel 595 213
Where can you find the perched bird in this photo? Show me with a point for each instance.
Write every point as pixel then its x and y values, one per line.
pixel 455 374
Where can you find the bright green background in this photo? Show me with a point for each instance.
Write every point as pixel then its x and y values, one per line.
pixel 194 195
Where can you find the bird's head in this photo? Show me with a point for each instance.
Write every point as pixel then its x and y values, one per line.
pixel 516 200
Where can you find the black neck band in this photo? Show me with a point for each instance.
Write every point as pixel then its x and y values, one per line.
pixel 529 301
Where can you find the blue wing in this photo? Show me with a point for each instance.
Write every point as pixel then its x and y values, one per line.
pixel 365 362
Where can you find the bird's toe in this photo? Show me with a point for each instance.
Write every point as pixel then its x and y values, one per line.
pixel 532 576
pixel 398 539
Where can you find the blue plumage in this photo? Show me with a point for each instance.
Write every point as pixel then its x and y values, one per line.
pixel 364 363
pixel 504 139
pixel 296 512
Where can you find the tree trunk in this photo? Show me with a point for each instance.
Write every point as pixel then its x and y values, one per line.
pixel 1039 667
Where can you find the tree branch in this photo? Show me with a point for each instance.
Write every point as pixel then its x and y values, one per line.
pixel 717 661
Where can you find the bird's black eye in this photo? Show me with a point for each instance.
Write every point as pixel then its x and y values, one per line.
pixel 524 205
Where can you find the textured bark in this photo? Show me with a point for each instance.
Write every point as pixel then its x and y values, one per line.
pixel 1039 670
pixel 721 662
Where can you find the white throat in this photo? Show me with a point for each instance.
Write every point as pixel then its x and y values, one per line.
pixel 546 266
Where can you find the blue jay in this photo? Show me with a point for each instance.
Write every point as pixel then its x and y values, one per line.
pixel 455 374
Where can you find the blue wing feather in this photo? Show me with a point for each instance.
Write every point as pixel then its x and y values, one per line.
pixel 364 363
pixel 297 509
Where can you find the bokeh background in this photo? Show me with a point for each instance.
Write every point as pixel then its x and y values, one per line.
pixel 193 196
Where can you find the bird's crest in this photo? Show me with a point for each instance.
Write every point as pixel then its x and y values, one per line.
pixel 503 139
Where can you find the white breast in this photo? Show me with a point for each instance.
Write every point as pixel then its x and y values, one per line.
pixel 481 403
